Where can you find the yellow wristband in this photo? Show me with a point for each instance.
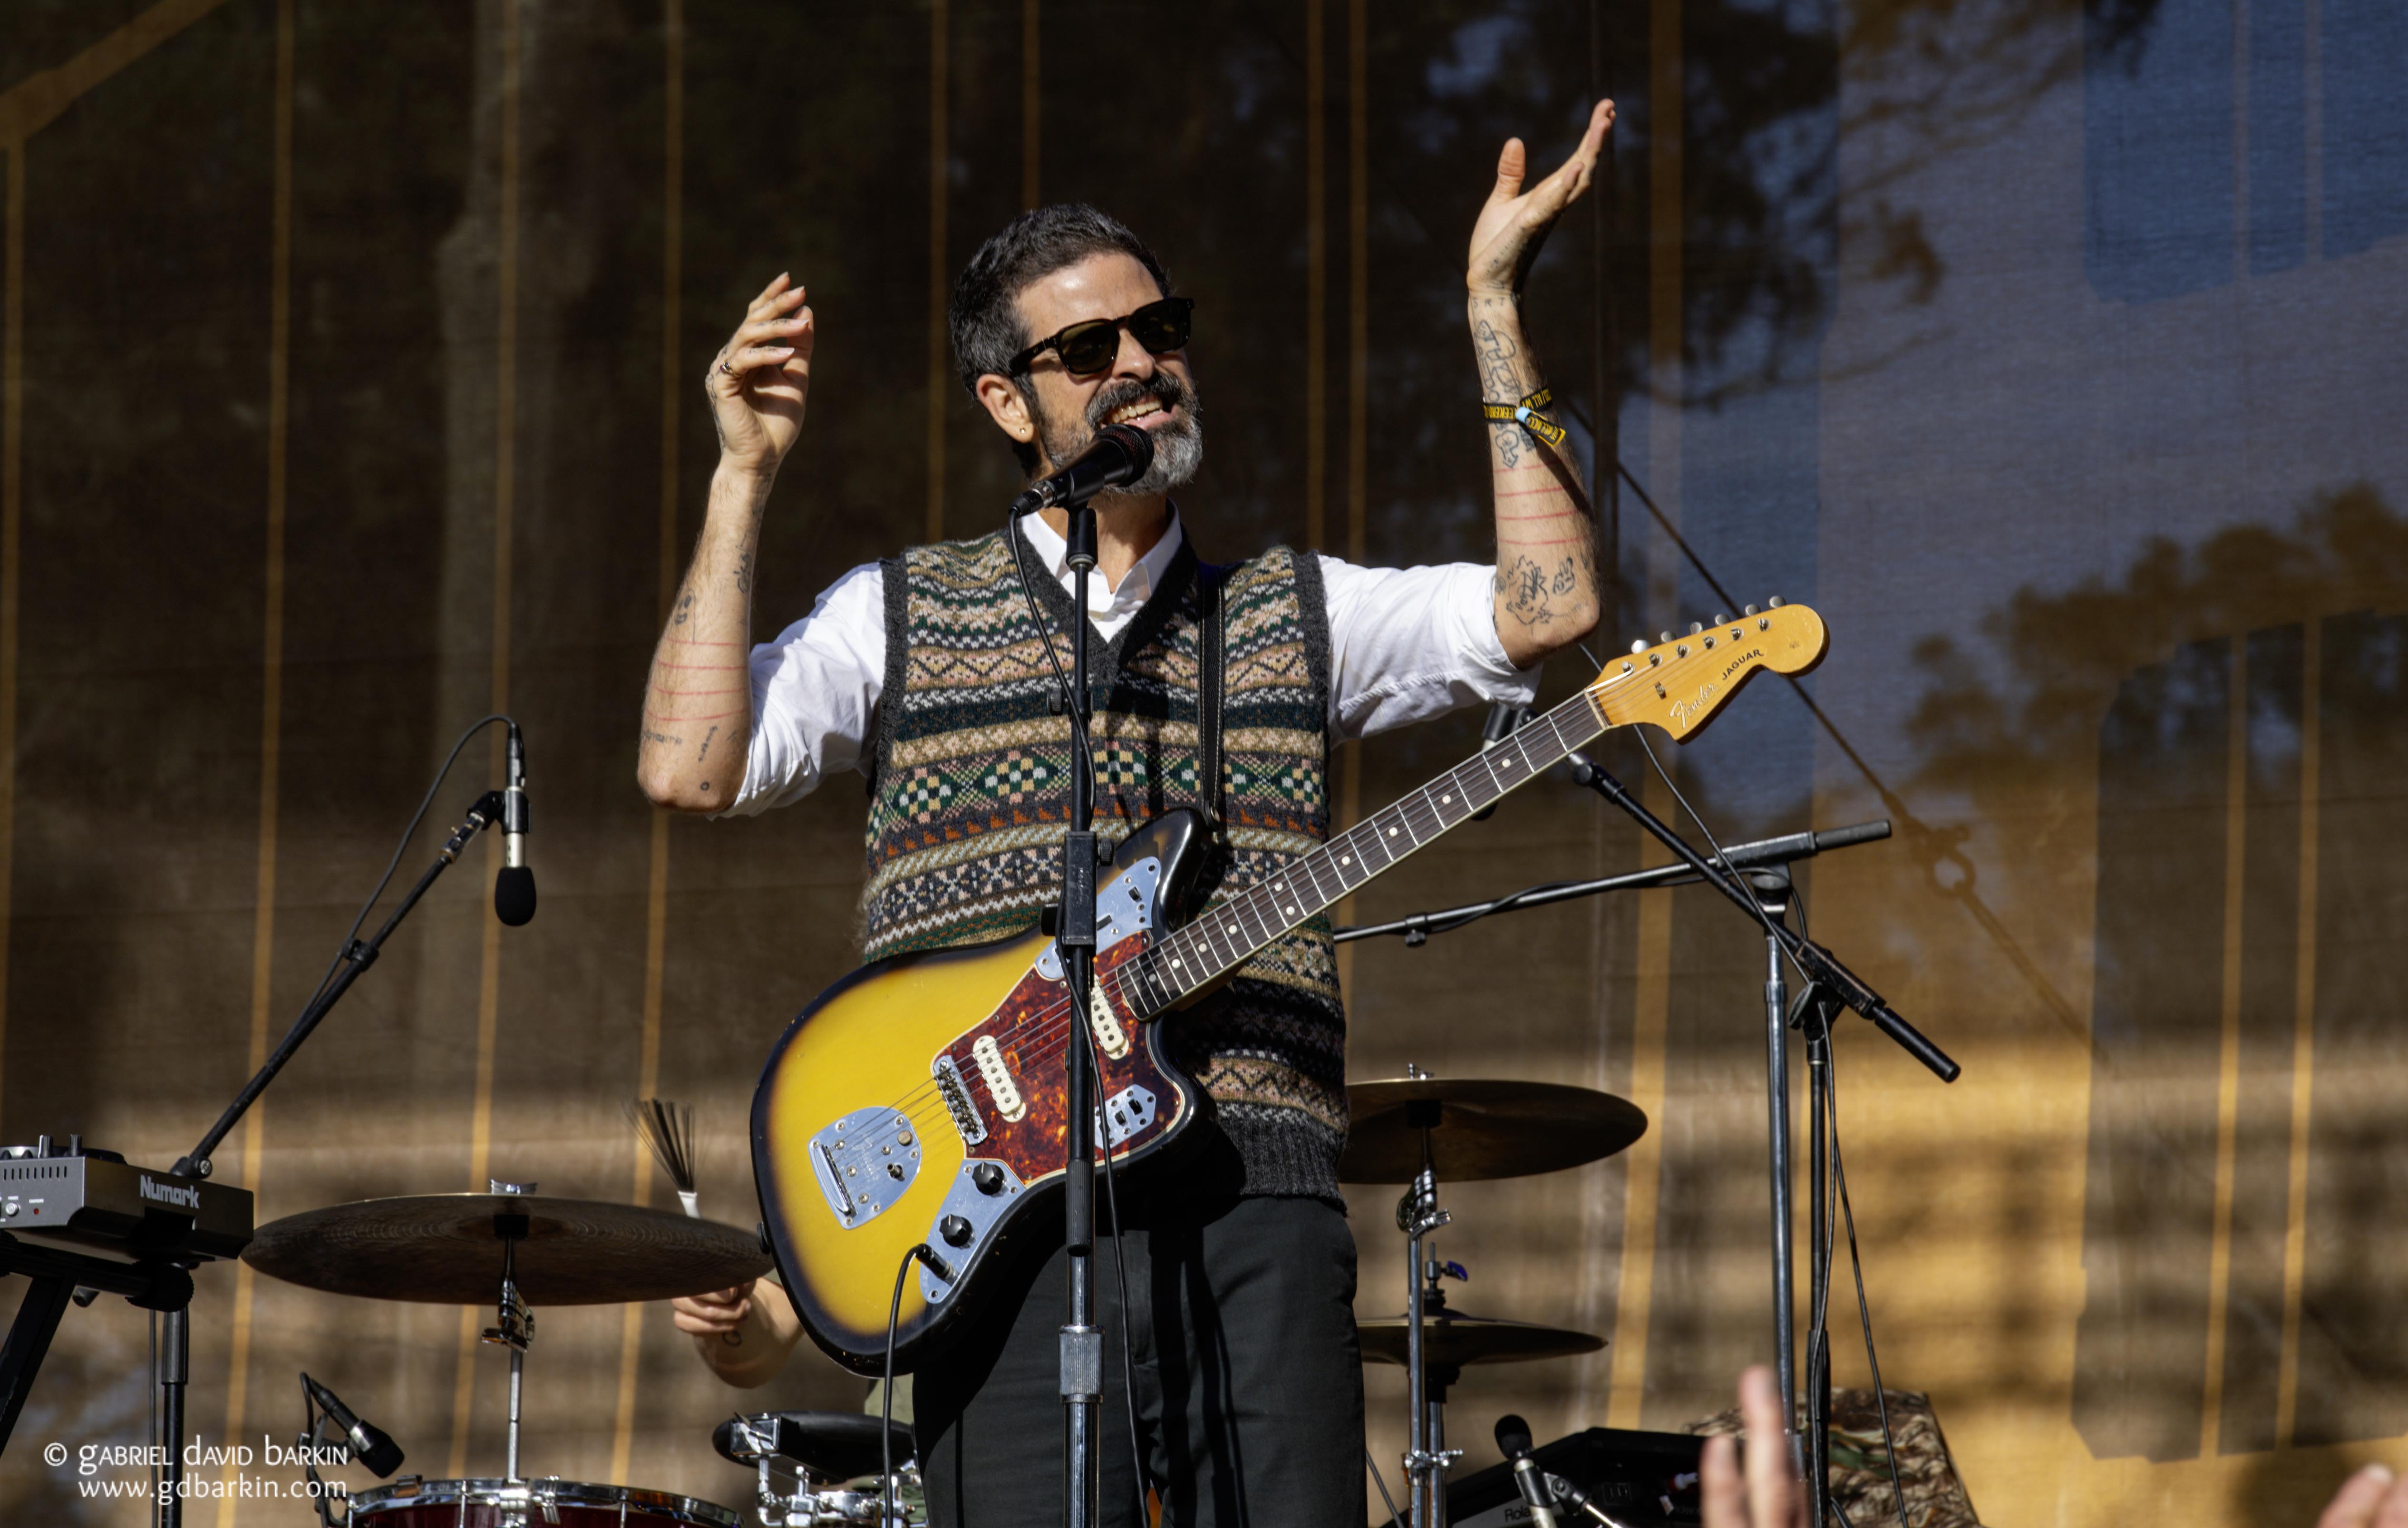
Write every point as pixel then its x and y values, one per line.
pixel 1526 413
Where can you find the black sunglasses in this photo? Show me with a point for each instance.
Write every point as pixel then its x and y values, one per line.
pixel 1089 345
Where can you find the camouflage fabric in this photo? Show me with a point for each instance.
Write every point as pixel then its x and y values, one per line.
pixel 1860 1482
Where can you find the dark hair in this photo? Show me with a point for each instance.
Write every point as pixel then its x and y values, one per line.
pixel 984 316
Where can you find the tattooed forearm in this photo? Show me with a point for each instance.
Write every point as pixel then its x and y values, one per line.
pixel 704 752
pixel 651 736
pixel 744 573
pixel 1524 585
pixel 684 609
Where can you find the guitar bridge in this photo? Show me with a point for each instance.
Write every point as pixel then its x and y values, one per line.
pixel 957 1101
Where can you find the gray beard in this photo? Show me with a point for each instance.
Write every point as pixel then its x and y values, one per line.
pixel 1178 448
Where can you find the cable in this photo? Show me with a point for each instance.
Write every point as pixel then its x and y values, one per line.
pixel 1119 1277
pixel 1739 875
pixel 1394 1516
pixel 915 1252
pixel 1037 614
pixel 1856 1261
pixel 401 848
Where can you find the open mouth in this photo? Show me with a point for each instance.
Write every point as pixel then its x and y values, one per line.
pixel 1145 414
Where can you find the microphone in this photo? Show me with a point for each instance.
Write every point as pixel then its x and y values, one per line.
pixel 1573 1496
pixel 1121 453
pixel 371 1445
pixel 514 887
pixel 1513 1439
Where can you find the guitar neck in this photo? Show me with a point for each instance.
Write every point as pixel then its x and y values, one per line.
pixel 1223 938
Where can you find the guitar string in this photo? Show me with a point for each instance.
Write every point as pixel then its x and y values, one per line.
pixel 1051 1024
pixel 1046 1030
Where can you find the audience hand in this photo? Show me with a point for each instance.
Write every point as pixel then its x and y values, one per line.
pixel 1770 1497
pixel 2369 1499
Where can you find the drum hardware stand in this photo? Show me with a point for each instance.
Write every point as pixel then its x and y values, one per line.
pixel 1428 1458
pixel 514 1321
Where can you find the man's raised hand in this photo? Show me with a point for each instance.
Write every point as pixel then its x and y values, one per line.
pixel 758 381
pixel 1515 223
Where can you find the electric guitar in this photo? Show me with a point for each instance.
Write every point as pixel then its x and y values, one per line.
pixel 921 1098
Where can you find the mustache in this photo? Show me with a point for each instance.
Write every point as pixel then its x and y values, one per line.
pixel 1162 387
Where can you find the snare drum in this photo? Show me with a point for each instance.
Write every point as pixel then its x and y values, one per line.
pixel 412 1502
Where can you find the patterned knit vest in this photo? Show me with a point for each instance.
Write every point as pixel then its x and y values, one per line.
pixel 973 793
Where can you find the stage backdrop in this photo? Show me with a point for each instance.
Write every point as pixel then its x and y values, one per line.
pixel 2053 349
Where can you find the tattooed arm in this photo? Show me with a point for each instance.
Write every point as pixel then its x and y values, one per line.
pixel 698 701
pixel 1546 540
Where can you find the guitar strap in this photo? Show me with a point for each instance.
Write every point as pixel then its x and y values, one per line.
pixel 1212 794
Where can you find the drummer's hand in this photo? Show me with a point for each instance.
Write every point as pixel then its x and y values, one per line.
pixel 1769 1498
pixel 715 1314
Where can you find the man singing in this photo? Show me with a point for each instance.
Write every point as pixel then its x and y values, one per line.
pixel 928 672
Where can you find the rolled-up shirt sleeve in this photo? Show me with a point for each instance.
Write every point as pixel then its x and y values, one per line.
pixel 1409 643
pixel 815 691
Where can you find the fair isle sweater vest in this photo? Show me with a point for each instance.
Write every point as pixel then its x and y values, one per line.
pixel 973 791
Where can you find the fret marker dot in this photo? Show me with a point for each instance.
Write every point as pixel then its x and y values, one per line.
pixel 1233 928
pixel 1391 832
pixel 1446 798
pixel 1346 859
pixel 1174 962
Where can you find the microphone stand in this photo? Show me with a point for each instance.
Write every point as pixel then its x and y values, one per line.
pixel 1831 986
pixel 175 1341
pixel 1083 1341
pixel 1755 877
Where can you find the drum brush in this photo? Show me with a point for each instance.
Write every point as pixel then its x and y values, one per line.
pixel 668 1130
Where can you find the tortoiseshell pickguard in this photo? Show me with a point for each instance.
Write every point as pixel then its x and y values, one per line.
pixel 1029 1029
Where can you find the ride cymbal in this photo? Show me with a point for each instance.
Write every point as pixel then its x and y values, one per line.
pixel 1480 1128
pixel 447 1249
pixel 1452 1340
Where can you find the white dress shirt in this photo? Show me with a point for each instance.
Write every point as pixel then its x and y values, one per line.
pixel 1405 644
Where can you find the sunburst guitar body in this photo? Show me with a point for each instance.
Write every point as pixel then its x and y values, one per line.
pixel 919 1099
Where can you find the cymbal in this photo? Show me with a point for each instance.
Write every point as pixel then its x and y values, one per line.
pixel 832 1444
pixel 1480 1128
pixel 446 1249
pixel 1452 1340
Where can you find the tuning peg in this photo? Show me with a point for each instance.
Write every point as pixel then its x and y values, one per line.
pixel 1695 629
pixel 1720 619
pixel 1639 644
pixel 1665 637
pixel 1775 603
pixel 1749 611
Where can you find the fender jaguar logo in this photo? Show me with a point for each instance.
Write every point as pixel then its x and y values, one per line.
pixel 1751 655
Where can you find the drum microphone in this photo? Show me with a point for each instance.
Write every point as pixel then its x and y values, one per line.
pixel 1121 453
pixel 514 887
pixel 1513 1439
pixel 371 1445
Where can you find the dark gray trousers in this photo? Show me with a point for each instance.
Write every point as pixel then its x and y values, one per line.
pixel 1249 1383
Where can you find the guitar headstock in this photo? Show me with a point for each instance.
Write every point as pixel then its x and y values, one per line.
pixel 1680 682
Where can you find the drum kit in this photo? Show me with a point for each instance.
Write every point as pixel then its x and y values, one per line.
pixel 522 1251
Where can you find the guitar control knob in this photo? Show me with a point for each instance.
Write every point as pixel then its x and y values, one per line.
pixel 988 1177
pixel 955 1230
